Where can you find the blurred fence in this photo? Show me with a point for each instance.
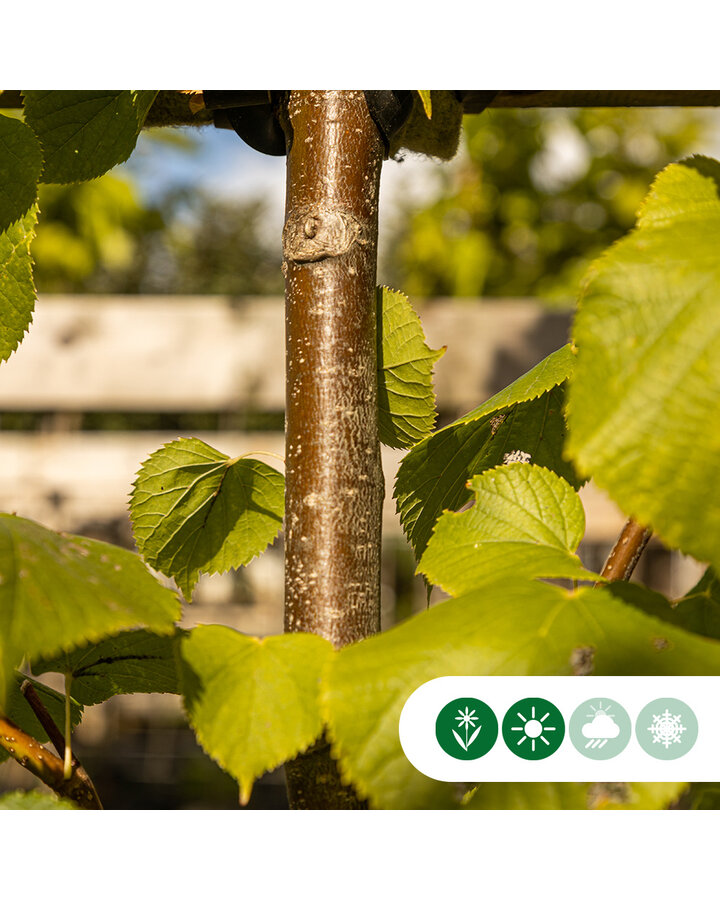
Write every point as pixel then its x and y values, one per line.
pixel 102 381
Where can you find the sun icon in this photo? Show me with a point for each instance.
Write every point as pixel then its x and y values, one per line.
pixel 533 728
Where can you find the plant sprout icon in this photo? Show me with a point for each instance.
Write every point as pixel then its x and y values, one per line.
pixel 533 729
pixel 468 719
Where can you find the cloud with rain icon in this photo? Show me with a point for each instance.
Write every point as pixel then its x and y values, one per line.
pixel 600 730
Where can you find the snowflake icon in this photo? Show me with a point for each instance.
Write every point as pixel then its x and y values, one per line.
pixel 667 729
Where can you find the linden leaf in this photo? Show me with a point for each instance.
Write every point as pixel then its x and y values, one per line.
pixel 17 289
pixel 252 703
pixel 85 133
pixel 405 391
pixel 132 662
pixel 525 520
pixel 515 627
pixel 525 418
pixel 194 510
pixel 60 591
pixel 21 163
pixel 645 399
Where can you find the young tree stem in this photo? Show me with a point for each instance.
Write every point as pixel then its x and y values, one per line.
pixel 334 481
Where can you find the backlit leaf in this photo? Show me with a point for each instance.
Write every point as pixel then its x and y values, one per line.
pixel 644 403
pixel 17 289
pixel 60 591
pixel 518 627
pixel 252 703
pixel 575 795
pixel 193 510
pixel 525 418
pixel 405 391
pixel 525 521
pixel 34 800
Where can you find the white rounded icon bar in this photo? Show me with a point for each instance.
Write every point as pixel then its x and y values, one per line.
pixel 691 750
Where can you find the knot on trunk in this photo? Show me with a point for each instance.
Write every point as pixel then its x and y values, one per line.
pixel 318 233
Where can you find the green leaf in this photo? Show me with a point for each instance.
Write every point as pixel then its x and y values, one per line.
pixel 405 362
pixel 704 795
pixel 17 290
pixel 575 795
pixel 253 703
pixel 644 403
pixel 60 591
pixel 526 417
pixel 518 627
pixel 426 97
pixel 194 510
pixel 529 795
pixel 698 611
pixel 639 794
pixel 85 133
pixel 525 521
pixel 549 372
pixel 33 800
pixel 21 163
pixel 133 662
pixel 18 710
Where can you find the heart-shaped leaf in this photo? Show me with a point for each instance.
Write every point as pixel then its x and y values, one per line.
pixel 525 521
pixel 252 703
pixel 193 510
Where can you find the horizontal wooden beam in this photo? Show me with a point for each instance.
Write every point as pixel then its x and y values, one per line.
pixel 474 101
pixel 227 354
pixel 188 107
pixel 74 480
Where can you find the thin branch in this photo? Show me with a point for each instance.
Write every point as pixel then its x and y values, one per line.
pixel 43 716
pixel 79 778
pixel 68 756
pixel 626 552
pixel 31 755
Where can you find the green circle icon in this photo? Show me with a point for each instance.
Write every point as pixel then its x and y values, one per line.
pixel 600 728
pixel 466 728
pixel 533 728
pixel 666 728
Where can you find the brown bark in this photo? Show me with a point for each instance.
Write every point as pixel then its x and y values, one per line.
pixel 334 482
pixel 626 552
pixel 32 756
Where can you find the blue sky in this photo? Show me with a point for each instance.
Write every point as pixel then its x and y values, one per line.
pixel 222 164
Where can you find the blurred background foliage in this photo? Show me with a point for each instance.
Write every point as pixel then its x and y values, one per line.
pixel 530 199
pixel 534 197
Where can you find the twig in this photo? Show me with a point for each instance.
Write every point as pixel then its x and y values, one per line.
pixel 68 756
pixel 78 775
pixel 626 552
pixel 43 716
pixel 31 755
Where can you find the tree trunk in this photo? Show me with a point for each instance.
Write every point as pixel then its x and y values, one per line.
pixel 334 483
